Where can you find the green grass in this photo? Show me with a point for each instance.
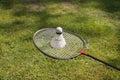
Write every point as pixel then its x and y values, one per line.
pixel 97 21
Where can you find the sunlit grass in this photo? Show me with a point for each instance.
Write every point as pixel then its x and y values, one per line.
pixel 99 26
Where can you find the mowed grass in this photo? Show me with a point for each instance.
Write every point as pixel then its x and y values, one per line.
pixel 97 21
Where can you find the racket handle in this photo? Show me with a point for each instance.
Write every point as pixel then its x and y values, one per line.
pixel 84 53
pixel 103 62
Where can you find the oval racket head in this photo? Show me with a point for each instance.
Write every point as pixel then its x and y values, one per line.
pixel 74 44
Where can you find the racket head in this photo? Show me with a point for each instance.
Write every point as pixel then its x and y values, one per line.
pixel 74 44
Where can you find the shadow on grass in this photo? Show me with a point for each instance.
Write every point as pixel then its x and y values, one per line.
pixel 7 4
pixel 43 16
pixel 110 5
pixel 107 5
pixel 41 21
pixel 11 27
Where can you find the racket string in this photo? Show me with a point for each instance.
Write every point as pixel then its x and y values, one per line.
pixel 73 44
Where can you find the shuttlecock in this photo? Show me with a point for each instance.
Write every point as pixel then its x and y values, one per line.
pixel 58 40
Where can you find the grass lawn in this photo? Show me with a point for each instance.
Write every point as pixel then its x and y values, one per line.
pixel 97 21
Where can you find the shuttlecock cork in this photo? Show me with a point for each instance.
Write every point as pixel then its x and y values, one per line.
pixel 58 40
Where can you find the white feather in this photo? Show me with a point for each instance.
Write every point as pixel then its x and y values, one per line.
pixel 58 41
